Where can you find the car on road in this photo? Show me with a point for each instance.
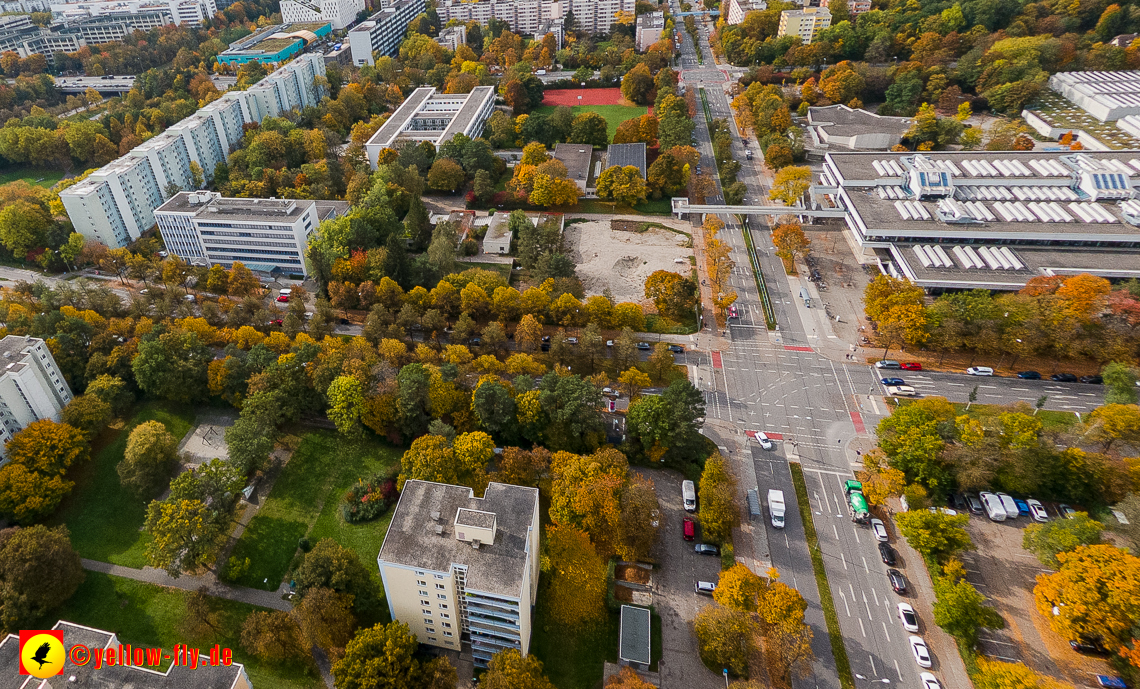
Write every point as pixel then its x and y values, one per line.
pixel 609 343
pixel 897 581
pixel 892 381
pixel 706 549
pixel 908 617
pixel 284 298
pixel 979 371
pixel 974 504
pixel 705 587
pixel 1037 510
pixel 929 681
pixel 1092 380
pixel 921 652
pixel 887 363
pixel 1091 647
pixel 688 529
pixel 764 440
pixel 643 346
pixel 732 312
pixel 1029 375
pixel 1063 378
pixel 911 366
pixel 676 349
pixel 880 530
pixel 890 557
pixel 1066 511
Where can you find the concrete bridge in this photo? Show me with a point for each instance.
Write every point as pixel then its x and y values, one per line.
pixel 682 206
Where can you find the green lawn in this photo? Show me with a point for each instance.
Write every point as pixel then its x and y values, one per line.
pixel 307 495
pixel 147 615
pixel 614 114
pixel 573 660
pixel 103 517
pixel 42 177
pixel 650 207
pixel 1051 420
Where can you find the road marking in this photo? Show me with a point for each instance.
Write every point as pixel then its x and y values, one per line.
pixel 885 632
pixel 861 627
pixel 897 670
pixel 833 527
pixel 857 419
pixel 842 557
pixel 873 592
pixel 867 570
pixel 873 671
pixel 845 607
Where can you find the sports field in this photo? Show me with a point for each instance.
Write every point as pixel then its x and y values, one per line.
pixel 614 114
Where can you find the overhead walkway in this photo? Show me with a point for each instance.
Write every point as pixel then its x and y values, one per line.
pixel 682 206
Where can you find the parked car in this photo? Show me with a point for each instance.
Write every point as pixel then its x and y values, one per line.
pixel 887 363
pixel 1066 511
pixel 707 549
pixel 284 299
pixel 890 557
pixel 732 309
pixel 1092 380
pixel 911 366
pixel 921 652
pixel 572 340
pixel 1022 507
pixel 1063 378
pixel 609 343
pixel 897 580
pixel 643 346
pixel 908 617
pixel 880 530
pixel 764 440
pixel 929 681
pixel 974 504
pixel 689 529
pixel 892 381
pixel 1037 510
pixel 1091 647
pixel 705 587
pixel 676 349
pixel 1029 375
pixel 979 371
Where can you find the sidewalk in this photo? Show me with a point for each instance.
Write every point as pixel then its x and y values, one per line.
pixel 150 575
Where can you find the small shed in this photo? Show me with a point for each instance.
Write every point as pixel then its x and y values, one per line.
pixel 498 237
pixel 634 640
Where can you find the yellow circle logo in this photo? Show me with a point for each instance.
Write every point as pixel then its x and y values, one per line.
pixel 43 656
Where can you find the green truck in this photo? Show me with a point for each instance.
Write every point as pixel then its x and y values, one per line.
pixel 856 502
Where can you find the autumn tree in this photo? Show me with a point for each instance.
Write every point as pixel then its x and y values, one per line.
pixel 791 242
pixel 509 669
pixel 446 175
pixel 185 535
pixel 330 565
pixel 32 482
pixel 384 657
pixel 739 588
pixel 1047 540
pixel 576 578
pixel 1112 422
pixel 272 636
pixel 673 295
pixel 994 674
pixel 88 413
pixel 151 454
pixel 434 458
pixel 1094 594
pixel 934 534
pixel 346 404
pixel 39 571
pixel 326 620
pixel 726 638
pixel 790 185
pixel 719 513
pixel 627 679
pixel 623 185
pixel 637 85
pixel 959 608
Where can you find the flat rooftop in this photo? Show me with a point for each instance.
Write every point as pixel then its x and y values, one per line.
pixel 1029 262
pixel 1115 89
pixel 576 158
pixel 627 154
pixel 262 210
pixel 844 121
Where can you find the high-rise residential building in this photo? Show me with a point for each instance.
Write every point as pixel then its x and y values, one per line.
pixel 31 386
pixel 736 10
pixel 116 203
pixel 452 37
pixel 528 16
pixel 805 23
pixel 383 32
pixel 459 569
pixel 267 235
pixel 649 28
pixel 339 13
pixel 429 116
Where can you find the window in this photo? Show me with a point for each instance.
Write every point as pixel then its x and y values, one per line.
pixel 443 606
pixel 447 625
pixel 427 621
pixel 422 583
pixel 423 593
pixel 432 638
pixel 425 602
pixel 427 612
pixel 445 616
pixel 431 630
pixel 438 576
pixel 447 633
pixel 441 587
pixel 419 574
pixel 441 596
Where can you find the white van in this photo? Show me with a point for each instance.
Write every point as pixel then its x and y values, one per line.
pixel 285 292
pixel 689 495
pixel 994 509
pixel 1010 507
pixel 776 507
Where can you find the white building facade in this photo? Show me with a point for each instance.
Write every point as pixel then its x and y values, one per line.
pixel 339 13
pixel 31 386
pixel 383 32
pixel 429 116
pixel 527 16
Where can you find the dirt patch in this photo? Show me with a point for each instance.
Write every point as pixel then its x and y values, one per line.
pixel 623 593
pixel 621 261
pixel 633 573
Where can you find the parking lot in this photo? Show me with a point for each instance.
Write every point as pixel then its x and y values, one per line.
pixel 1006 573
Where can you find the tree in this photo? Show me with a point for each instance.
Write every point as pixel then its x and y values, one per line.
pixel 88 413
pixel 326 620
pixel 435 458
pixel 719 513
pixel 1113 422
pixel 1095 594
pixel 725 638
pixel 272 636
pixel 961 610
pixel 173 366
pixel 1120 384
pixel 346 404
pixel 637 85
pixel 32 483
pixel 589 128
pixel 23 227
pixel 667 426
pixel 553 191
pixel 39 571
pixel 528 333
pixel 740 589
pixel 330 565
pixel 509 669
pixel 151 455
pixel 203 614
pixel 1061 536
pixel 623 185
pixel 934 534
pixel 790 185
pixel 184 535
pixel 113 391
pixel 383 657
pixel 446 175
pixel 576 594
pixel 790 241
pixel 242 280
pixel 673 295
pixel 885 293
pixel 994 674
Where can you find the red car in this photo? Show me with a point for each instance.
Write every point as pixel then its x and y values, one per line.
pixel 690 530
pixel 283 299
pixel 912 366
pixel 276 321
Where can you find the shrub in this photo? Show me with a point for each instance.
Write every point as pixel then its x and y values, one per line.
pixel 369 499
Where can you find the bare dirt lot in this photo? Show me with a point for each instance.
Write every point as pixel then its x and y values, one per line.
pixel 622 261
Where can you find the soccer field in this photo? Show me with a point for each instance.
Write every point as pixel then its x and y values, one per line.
pixel 614 114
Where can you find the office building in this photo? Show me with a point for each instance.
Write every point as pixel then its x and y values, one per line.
pixel 989 220
pixel 179 11
pixel 267 235
pixel 649 28
pixel 116 203
pixel 31 386
pixel 805 23
pixel 838 126
pixel 275 44
pixel 383 32
pixel 25 6
pixel 429 116
pixel 339 13
pixel 459 569
pixel 1106 96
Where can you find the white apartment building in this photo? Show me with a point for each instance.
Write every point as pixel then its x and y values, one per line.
pixel 267 235
pixel 649 28
pixel 116 203
pixel 180 11
pixel 805 23
pixel 452 37
pixel 339 13
pixel 31 386
pixel 736 10
pixel 460 569
pixel 527 16
pixel 383 32
pixel 429 116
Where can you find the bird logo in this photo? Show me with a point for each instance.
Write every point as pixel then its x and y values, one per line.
pixel 41 653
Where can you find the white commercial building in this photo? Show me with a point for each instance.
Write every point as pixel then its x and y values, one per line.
pixel 1104 95
pixel 429 116
pixel 339 13
pixel 383 32
pixel 528 16
pixel 31 386
pixel 181 11
pixel 267 235
pixel 116 203
pixel 805 23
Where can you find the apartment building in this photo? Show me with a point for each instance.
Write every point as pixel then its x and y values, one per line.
pixel 452 37
pixel 116 203
pixel 339 13
pixel 429 116
pixel 179 11
pixel 528 16
pixel 268 235
pixel 854 7
pixel 649 28
pixel 805 23
pixel 463 570
pixel 736 10
pixel 383 32
pixel 31 386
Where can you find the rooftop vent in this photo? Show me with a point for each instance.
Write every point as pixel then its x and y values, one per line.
pixel 435 516
pixel 438 529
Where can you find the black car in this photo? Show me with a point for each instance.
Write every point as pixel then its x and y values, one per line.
pixel 973 503
pixel 643 346
pixel 706 549
pixel 1029 375
pixel 898 581
pixel 890 557
pixel 676 349
pixel 1063 378
pixel 1090 647
pixel 1092 380
pixel 344 321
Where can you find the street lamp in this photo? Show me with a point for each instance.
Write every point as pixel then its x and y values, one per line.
pixel 884 680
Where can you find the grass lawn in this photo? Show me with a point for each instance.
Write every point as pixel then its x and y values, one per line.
pixel 614 114
pixel 143 614
pixel 574 660
pixel 307 495
pixel 650 207
pixel 41 177
pixel 1050 420
pixel 104 518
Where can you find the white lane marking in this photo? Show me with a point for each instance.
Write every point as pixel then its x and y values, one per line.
pixel 865 568
pixel 861 627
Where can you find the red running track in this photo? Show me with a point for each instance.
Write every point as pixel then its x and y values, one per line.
pixel 589 97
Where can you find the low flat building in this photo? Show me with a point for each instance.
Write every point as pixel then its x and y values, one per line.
pixel 627 154
pixel 31 386
pixel 275 44
pixel 499 236
pixel 1106 96
pixel 202 228
pixel 838 126
pixel 805 23
pixel 460 569
pixel 382 33
pixel 339 13
pixel 429 116
pixel 634 638
pixel 576 158
pixel 649 28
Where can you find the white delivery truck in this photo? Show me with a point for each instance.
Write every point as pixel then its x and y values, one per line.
pixel 994 509
pixel 776 507
pixel 689 495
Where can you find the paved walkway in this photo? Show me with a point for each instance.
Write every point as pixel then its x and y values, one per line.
pixel 150 575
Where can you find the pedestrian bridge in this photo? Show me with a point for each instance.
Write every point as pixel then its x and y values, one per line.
pixel 681 206
pixel 715 13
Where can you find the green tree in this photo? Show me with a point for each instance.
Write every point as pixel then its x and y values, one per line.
pixel 24 226
pixel 113 391
pixel 637 85
pixel 173 366
pixel 39 571
pixel 719 513
pixel 346 404
pixel 184 535
pixel 496 410
pixel 509 669
pixel 571 405
pixel 249 442
pixel 446 175
pixel 330 565
pixel 1060 536
pixel 1120 384
pixel 725 638
pixel 383 657
pixel 933 534
pixel 961 610
pixel 88 413
pixel 151 454
pixel 589 128
pixel 667 427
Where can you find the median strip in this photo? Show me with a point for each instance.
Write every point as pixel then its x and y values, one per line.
pixel 758 276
